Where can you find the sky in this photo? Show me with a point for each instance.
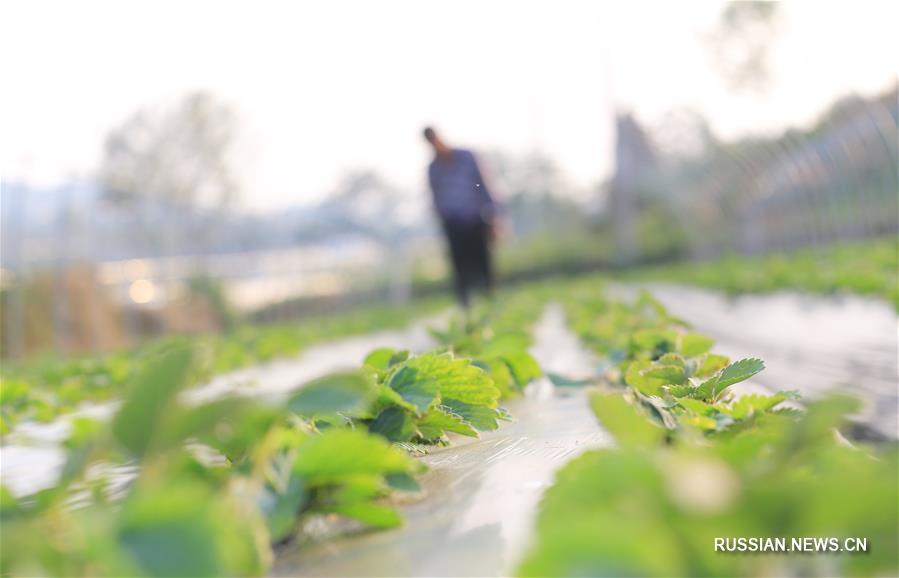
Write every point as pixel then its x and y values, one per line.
pixel 323 87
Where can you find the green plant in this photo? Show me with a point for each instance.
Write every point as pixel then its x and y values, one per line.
pixel 695 463
pixel 42 389
pixel 220 484
pixel 863 267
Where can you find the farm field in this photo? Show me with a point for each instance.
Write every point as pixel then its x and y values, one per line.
pixel 44 388
pixel 395 289
pixel 383 462
pixel 867 267
pixel 524 289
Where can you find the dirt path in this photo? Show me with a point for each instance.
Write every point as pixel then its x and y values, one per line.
pixel 480 496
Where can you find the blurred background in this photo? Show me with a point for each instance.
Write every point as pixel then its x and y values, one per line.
pixel 185 167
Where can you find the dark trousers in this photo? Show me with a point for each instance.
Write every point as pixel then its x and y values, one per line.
pixel 469 247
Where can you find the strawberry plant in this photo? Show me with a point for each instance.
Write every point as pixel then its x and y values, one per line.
pixel 497 339
pixel 42 389
pixel 695 463
pixel 863 267
pixel 220 485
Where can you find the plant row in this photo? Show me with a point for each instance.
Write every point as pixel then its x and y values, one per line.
pixel 166 488
pixel 694 462
pixel 42 389
pixel 862 267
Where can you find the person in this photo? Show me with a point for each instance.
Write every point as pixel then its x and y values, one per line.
pixel 467 213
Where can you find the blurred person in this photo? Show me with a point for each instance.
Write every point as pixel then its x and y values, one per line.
pixel 467 212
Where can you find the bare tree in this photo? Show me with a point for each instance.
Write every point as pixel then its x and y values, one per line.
pixel 370 204
pixel 740 45
pixel 182 155
pixel 177 162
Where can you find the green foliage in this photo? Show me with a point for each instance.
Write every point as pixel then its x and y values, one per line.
pixel 179 516
pixel 220 483
pixel 416 384
pixel 394 423
pixel 648 509
pixel 425 397
pixel 211 517
pixel 42 389
pixel 348 393
pixel 622 421
pixel 150 400
pixel 346 471
pixel 693 344
pixel 862 267
pixel 742 370
pixel 384 358
pixel 694 462
pixel 497 338
pixel 458 379
pixel 442 419
pixel 184 528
